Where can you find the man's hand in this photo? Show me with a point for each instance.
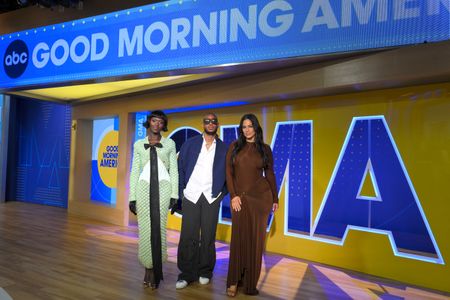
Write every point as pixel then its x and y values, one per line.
pixel 174 207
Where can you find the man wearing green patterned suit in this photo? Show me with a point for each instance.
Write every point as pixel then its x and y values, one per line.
pixel 153 189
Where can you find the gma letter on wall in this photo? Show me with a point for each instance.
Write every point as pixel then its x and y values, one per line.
pixel 369 190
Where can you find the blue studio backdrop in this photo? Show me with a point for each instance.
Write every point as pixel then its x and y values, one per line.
pixel 42 152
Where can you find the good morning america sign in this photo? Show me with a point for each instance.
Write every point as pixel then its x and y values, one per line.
pixel 183 34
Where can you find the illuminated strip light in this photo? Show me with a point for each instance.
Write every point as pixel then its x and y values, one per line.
pixel 438 260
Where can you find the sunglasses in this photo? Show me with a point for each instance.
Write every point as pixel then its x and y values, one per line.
pixel 210 121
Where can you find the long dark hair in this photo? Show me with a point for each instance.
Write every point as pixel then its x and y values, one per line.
pixel 241 141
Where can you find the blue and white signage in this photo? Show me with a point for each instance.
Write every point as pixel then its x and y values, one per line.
pixel 183 34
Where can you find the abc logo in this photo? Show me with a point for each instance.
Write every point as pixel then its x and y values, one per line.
pixel 16 59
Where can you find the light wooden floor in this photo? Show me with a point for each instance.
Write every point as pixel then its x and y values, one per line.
pixel 46 254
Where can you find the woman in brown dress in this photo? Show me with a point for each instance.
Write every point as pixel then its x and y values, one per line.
pixel 253 193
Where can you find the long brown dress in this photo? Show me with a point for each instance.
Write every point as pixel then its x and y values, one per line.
pixel 248 232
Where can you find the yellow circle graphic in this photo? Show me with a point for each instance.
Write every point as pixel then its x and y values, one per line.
pixel 107 158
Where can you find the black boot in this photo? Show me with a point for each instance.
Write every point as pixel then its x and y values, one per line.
pixel 149 279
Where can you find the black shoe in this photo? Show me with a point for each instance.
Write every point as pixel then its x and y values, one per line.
pixel 149 279
pixel 146 282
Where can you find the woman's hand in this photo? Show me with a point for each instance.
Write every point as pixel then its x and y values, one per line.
pixel 132 206
pixel 236 203
pixel 275 207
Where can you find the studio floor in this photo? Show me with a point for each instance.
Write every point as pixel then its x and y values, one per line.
pixel 47 254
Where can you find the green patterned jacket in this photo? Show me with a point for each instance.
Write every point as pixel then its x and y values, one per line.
pixel 141 156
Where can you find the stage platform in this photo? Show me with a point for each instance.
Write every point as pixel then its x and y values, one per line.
pixel 47 254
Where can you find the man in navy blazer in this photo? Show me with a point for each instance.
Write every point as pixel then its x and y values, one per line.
pixel 201 169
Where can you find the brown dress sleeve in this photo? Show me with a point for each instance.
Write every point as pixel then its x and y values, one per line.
pixel 229 171
pixel 270 174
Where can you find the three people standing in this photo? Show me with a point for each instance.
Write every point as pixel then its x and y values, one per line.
pixel 206 169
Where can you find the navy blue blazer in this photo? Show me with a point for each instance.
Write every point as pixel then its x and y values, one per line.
pixel 187 158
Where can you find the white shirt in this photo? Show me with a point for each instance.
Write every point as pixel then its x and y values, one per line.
pixel 200 181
